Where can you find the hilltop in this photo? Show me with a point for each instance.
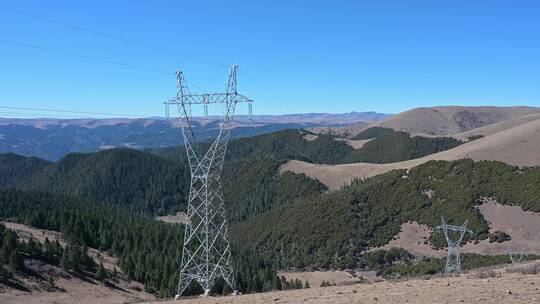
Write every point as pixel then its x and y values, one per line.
pixel 513 141
pixel 449 120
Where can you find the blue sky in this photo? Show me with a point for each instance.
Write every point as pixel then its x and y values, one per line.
pixel 301 56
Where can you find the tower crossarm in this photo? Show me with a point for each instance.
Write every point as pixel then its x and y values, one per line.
pixel 212 98
pixel 454 228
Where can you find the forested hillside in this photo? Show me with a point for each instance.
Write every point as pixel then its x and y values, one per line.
pixel 385 146
pixel 389 146
pixel 279 220
pixel 16 170
pixel 253 186
pixel 334 230
pixel 125 177
pixel 149 251
pixel 149 184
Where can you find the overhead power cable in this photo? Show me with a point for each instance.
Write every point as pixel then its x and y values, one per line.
pixel 25 115
pixel 68 111
pixel 37 47
pixel 129 41
pixel 110 36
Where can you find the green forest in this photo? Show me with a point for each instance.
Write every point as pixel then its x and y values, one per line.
pixel 335 229
pixel 278 220
pixel 389 146
pixel 149 251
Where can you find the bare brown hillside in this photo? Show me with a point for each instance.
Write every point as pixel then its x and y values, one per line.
pixel 442 121
pixel 519 145
pixel 345 131
pixel 497 127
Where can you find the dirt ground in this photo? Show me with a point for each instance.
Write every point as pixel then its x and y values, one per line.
pixel 80 292
pixel 522 226
pixel 355 143
pixel 315 278
pixel 467 288
pixel 179 217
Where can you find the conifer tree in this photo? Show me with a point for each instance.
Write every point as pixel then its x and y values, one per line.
pixel 101 273
pixel 15 262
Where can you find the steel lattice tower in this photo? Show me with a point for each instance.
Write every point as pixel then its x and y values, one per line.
pixel 206 254
pixel 515 257
pixel 453 261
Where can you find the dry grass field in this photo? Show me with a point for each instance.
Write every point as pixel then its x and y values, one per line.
pixel 486 286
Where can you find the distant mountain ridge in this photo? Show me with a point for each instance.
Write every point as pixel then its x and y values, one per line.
pixel 53 138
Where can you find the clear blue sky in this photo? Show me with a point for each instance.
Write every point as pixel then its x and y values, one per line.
pixel 313 56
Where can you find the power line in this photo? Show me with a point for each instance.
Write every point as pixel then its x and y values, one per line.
pixel 66 111
pixel 110 36
pixel 118 38
pixel 133 42
pixel 255 81
pixel 102 60
pixel 268 91
pixel 29 115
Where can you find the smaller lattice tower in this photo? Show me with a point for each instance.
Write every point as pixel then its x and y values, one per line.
pixel 515 257
pixel 453 261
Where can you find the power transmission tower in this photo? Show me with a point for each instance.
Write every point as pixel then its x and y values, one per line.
pixel 453 261
pixel 206 254
pixel 515 257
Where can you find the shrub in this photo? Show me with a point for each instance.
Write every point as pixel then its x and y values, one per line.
pixel 499 237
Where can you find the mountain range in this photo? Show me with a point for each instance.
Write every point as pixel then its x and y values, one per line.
pixel 53 138
pixel 365 197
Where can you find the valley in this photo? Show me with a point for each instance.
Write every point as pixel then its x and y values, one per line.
pixel 304 205
pixel 235 152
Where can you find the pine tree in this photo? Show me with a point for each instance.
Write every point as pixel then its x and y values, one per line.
pixel 50 282
pixel 284 283
pixel 64 260
pixel 276 283
pixel 101 273
pixel 15 262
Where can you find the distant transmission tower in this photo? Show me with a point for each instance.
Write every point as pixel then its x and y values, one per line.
pixel 206 255
pixel 453 261
pixel 515 257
